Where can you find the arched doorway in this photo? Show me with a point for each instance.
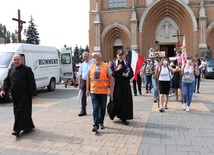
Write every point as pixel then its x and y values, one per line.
pixel 118 44
pixel 165 30
pixel 160 10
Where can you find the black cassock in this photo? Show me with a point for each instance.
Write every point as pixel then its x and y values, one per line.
pixel 21 81
pixel 122 94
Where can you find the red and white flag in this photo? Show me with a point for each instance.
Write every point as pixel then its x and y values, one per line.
pixel 136 63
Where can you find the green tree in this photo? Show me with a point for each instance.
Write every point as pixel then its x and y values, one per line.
pixel 32 36
pixel 8 37
pixel 1 31
pixel 87 48
pixel 14 38
pixel 5 34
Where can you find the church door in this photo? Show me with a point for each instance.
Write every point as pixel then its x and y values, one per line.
pixel 116 48
pixel 169 50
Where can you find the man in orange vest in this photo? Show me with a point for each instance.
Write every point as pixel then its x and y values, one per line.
pixel 99 85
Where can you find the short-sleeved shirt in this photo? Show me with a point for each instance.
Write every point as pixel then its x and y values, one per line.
pixel 84 68
pixel 189 74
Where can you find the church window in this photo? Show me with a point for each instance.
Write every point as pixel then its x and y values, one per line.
pixel 117 3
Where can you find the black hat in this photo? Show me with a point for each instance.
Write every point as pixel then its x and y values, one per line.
pixel 120 51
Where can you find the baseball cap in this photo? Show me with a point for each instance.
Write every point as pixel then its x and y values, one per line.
pixel 120 51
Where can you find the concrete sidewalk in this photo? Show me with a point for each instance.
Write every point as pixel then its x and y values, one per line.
pixel 59 130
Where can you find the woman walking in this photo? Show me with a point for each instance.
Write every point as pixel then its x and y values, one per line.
pixel 189 71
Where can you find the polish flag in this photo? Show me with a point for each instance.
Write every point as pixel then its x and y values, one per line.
pixel 136 63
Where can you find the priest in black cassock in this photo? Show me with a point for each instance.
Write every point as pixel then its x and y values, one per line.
pixel 122 94
pixel 20 80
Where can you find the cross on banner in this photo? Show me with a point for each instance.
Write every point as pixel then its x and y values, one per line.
pixel 178 36
pixel 20 22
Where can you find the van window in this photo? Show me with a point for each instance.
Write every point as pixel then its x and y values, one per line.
pixel 65 58
pixel 5 59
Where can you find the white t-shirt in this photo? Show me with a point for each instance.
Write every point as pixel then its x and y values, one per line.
pixel 165 73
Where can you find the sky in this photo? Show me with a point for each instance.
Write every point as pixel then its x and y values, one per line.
pixel 59 22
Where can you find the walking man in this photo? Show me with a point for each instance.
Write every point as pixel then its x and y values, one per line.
pixel 20 80
pixel 82 78
pixel 99 85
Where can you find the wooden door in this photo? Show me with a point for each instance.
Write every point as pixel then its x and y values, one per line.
pixel 164 48
pixel 116 48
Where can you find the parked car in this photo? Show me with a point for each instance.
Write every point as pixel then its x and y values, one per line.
pixel 209 68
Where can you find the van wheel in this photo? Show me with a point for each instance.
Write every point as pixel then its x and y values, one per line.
pixel 52 85
pixel 8 97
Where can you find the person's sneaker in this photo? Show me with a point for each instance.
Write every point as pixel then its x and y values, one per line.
pixel 166 107
pixel 102 126
pixel 170 95
pixel 187 108
pixel 198 92
pixel 95 129
pixel 184 106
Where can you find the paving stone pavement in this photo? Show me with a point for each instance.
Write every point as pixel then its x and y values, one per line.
pixel 60 131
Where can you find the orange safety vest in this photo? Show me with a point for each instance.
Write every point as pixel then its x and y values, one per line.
pixel 100 85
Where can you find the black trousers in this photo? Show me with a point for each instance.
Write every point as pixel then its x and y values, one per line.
pixel 137 83
pixel 83 99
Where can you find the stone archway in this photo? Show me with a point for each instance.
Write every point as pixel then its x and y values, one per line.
pixel 176 10
pixel 109 34
pixel 165 30
pixel 210 36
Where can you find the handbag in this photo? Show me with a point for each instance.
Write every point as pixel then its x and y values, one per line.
pixel 111 109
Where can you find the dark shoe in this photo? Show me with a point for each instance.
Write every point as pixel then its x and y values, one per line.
pixel 166 107
pixel 155 100
pixel 161 110
pixel 140 93
pixel 82 113
pixel 65 85
pixel 102 126
pixel 135 94
pixel 125 122
pixel 16 133
pixel 198 92
pixel 95 129
pixel 147 92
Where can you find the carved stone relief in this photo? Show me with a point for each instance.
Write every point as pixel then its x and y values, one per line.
pixel 166 28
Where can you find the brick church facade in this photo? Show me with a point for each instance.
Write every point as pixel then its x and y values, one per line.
pixel 138 24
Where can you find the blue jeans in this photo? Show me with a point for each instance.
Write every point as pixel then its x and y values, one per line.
pixel 148 82
pixel 99 108
pixel 155 88
pixel 188 89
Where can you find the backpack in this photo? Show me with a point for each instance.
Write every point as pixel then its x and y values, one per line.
pixel 149 70
pixel 170 73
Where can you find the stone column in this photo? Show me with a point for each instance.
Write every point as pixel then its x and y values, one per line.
pixel 133 26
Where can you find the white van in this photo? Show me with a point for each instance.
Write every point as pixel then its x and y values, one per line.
pixel 66 64
pixel 43 60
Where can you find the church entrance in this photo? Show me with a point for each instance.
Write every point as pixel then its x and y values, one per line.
pixel 169 50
